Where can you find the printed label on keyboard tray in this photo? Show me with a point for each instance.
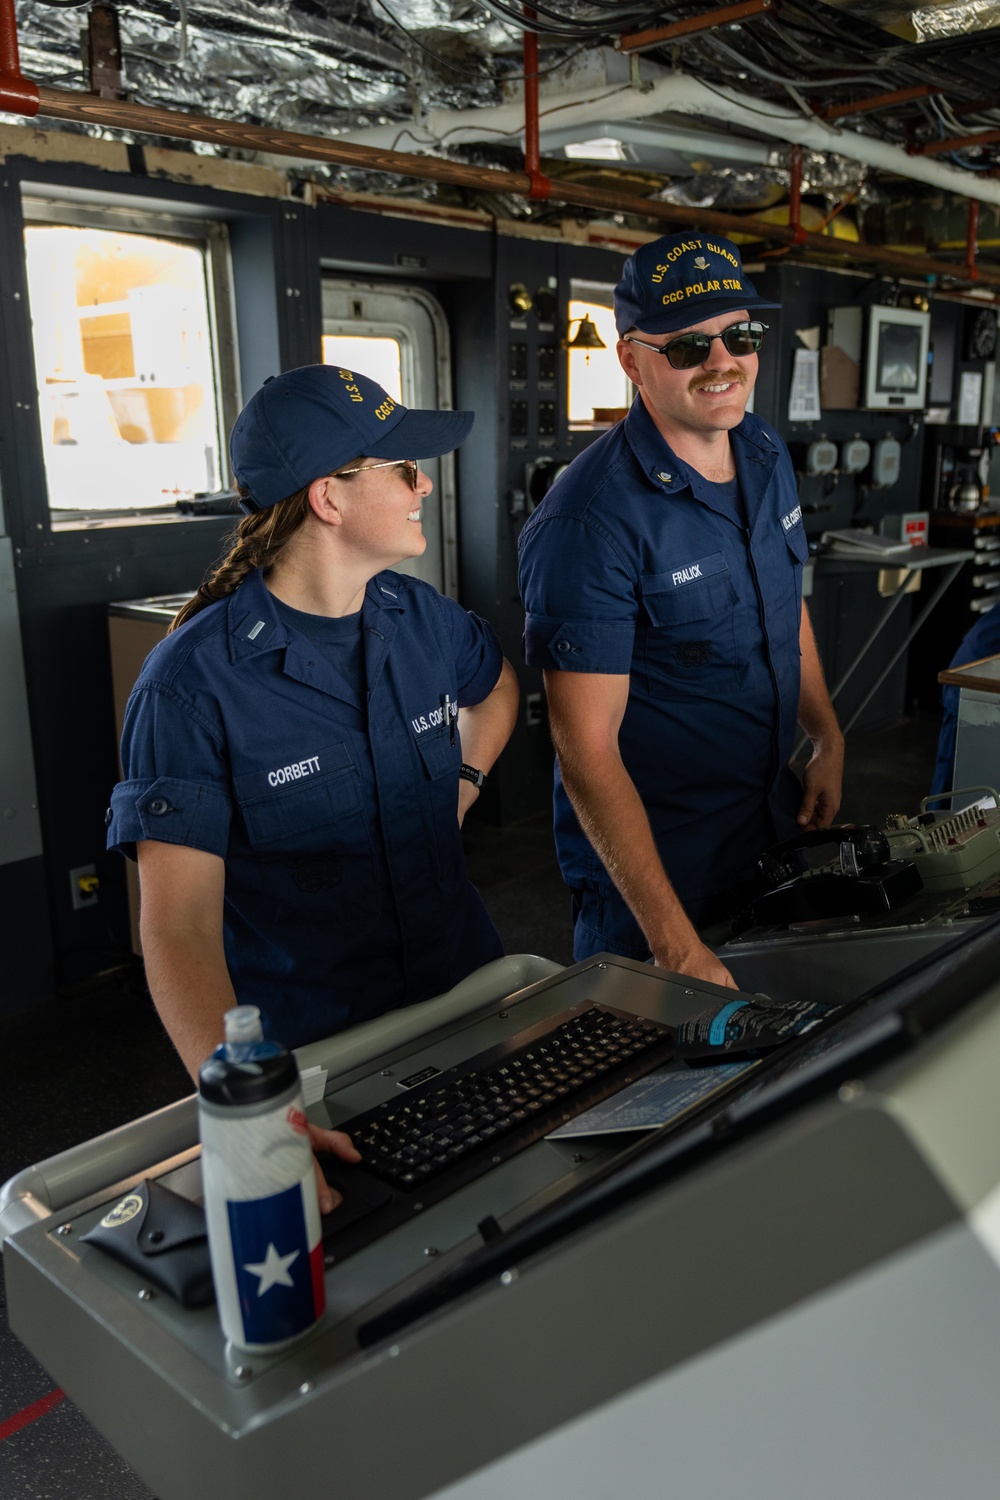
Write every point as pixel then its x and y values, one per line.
pixel 421 1077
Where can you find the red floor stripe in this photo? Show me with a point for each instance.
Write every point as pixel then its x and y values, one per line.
pixel 30 1413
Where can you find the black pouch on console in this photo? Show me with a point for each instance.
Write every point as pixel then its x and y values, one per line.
pixel 162 1236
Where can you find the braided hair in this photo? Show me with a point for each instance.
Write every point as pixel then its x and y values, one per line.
pixel 256 543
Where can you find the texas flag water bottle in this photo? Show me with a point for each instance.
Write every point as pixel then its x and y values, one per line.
pixel 261 1206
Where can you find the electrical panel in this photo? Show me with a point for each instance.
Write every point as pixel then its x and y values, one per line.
pixel 548 422
pixel 547 374
pixel 519 419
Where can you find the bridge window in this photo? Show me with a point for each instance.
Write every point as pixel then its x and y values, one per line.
pixel 125 320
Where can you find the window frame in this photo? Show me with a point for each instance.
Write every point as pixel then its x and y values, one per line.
pixel 590 293
pixel 85 210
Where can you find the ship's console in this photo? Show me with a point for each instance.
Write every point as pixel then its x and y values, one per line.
pixel 776 1234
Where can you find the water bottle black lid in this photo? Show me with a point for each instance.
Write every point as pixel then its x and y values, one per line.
pixel 221 1080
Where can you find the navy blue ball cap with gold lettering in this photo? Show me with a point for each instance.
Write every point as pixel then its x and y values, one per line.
pixel 311 421
pixel 681 280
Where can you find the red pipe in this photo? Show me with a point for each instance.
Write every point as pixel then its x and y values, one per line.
pixel 120 114
pixel 541 187
pixel 17 95
pixel 639 41
pixel 795 197
pixel 955 143
pixel 972 241
pixel 880 101
pixel 829 218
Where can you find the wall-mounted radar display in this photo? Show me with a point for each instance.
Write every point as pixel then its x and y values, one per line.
pixel 895 376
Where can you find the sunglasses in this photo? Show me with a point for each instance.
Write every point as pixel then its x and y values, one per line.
pixel 692 349
pixel 409 464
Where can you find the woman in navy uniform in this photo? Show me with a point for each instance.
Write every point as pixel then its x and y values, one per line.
pixel 300 751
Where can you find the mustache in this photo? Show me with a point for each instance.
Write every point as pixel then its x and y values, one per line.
pixel 734 376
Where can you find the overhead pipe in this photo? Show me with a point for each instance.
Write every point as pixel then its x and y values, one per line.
pixel 122 114
pixel 955 143
pixel 839 208
pixel 972 242
pixel 541 187
pixel 824 221
pixel 728 15
pixel 880 101
pixel 17 95
pixel 20 96
pixel 795 196
pixel 680 94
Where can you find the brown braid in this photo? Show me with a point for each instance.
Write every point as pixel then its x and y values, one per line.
pixel 256 543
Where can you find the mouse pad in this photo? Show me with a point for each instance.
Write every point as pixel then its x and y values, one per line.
pixel 362 1193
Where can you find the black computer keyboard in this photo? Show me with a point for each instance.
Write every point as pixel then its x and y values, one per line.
pixel 477 1114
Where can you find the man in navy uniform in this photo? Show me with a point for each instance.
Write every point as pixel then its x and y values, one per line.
pixel 978 642
pixel 662 583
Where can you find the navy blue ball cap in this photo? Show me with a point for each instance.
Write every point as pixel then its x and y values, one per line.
pixel 309 422
pixel 681 280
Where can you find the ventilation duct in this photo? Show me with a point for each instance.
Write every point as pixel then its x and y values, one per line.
pixel 589 110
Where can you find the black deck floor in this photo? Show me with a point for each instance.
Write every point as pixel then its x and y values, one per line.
pixel 72 1069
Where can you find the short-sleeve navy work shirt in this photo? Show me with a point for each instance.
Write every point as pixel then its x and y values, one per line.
pixel 631 564
pixel 336 812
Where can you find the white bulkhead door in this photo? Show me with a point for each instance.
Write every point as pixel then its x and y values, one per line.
pixel 398 335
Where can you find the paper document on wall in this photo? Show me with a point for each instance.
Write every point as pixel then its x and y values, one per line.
pixel 970 396
pixel 803 398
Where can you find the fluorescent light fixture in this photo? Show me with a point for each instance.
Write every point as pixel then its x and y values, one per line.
pixel 602 148
pixel 673 146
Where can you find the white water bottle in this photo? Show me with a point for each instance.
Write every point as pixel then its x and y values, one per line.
pixel 261 1205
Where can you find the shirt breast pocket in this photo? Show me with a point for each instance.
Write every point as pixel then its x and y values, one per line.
pixel 797 543
pixel 441 760
pixel 311 832
pixel 691 636
pixel 439 756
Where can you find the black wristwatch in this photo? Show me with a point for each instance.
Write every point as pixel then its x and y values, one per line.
pixel 471 773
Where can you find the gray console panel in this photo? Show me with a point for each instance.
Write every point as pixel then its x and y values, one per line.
pixel 805 1208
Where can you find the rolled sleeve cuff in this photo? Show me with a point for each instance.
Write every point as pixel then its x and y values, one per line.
pixel 169 811
pixel 579 645
pixel 487 674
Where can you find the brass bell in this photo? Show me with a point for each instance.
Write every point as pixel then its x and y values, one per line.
pixel 585 337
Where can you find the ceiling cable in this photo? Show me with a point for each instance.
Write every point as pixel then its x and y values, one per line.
pixel 488 77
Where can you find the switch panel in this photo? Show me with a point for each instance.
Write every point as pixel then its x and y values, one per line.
pixel 547 364
pixel 519 419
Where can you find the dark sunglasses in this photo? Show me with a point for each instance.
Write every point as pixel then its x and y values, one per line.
pixel 691 349
pixel 409 464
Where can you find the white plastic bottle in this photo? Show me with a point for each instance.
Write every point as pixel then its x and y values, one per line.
pixel 261 1205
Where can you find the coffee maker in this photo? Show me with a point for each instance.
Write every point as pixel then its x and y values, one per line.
pixel 956 468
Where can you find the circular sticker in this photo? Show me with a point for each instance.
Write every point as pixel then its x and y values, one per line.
pixel 123 1212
